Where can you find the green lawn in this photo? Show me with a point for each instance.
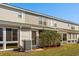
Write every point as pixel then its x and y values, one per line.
pixel 66 50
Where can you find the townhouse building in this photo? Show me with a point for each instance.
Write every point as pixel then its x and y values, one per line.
pixel 17 24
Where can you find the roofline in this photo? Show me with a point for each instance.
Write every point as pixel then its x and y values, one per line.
pixel 39 14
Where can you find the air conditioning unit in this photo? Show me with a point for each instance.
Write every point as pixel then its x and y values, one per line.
pixel 27 45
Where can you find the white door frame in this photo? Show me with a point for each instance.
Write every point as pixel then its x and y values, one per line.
pixel 37 38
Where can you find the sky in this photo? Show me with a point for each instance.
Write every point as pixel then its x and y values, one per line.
pixel 66 11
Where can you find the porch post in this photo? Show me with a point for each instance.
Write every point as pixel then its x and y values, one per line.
pixel 19 37
pixel 4 38
pixel 61 38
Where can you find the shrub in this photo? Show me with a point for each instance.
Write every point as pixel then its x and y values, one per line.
pixel 49 38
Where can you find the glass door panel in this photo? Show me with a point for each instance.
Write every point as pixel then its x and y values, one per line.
pixel 33 37
pixel 1 38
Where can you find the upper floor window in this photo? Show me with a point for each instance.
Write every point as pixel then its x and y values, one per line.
pixel 55 24
pixel 20 15
pixel 72 27
pixel 42 21
pixel 68 25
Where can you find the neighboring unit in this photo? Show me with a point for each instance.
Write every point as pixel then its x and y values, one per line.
pixel 17 25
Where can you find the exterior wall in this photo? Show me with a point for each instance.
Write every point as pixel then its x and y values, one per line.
pixel 24 35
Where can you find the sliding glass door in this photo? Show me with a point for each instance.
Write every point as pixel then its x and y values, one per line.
pixel 8 38
pixel 34 37
pixel 8 34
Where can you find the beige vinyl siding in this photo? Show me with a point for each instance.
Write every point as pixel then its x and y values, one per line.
pixel 10 15
pixel 51 23
pixel 31 19
pixel 76 27
pixel 25 35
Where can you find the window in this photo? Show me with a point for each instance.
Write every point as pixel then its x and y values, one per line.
pixel 68 25
pixel 72 27
pixel 55 24
pixel 33 37
pixel 8 34
pixel 1 38
pixel 11 34
pixel 1 46
pixel 44 22
pixel 40 20
pixel 19 15
pixel 15 35
pixel 1 34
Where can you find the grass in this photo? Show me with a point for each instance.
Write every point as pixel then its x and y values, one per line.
pixel 65 50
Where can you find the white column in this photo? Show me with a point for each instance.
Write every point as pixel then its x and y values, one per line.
pixel 18 37
pixel 31 38
pixel 20 41
pixel 61 37
pixel 4 38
